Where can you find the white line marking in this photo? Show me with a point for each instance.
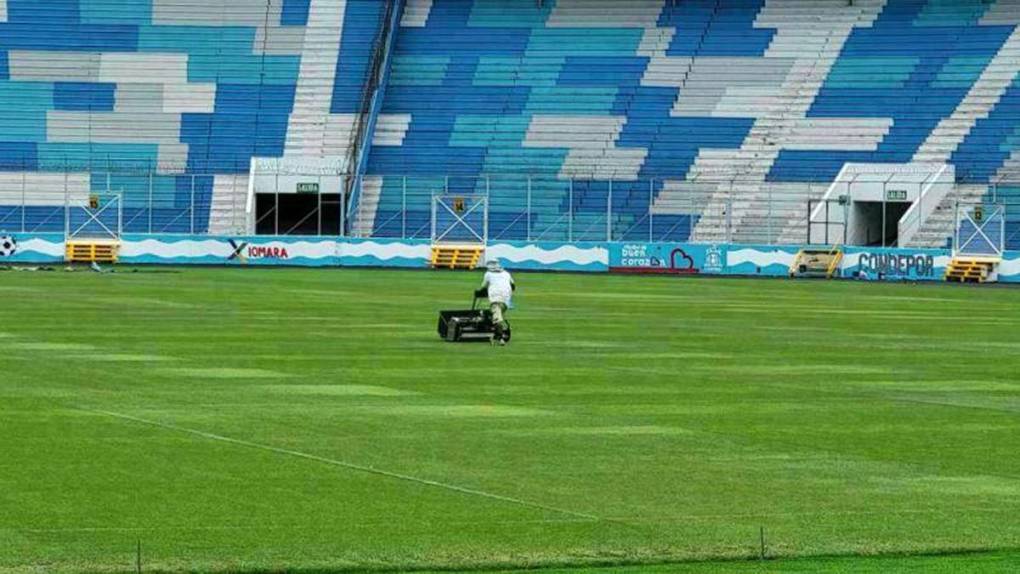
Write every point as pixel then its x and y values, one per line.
pixel 309 527
pixel 344 464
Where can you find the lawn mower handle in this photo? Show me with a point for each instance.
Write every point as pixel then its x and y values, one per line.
pixel 479 294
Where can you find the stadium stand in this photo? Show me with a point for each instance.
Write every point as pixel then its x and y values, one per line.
pixel 167 101
pixel 736 110
pixel 577 117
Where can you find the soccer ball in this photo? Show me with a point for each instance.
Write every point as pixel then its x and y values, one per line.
pixel 8 246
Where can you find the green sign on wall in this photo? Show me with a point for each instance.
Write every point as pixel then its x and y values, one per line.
pixel 896 195
pixel 308 188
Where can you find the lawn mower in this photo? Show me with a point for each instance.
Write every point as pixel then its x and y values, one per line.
pixel 470 325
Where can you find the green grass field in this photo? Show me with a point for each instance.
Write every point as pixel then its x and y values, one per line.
pixel 248 420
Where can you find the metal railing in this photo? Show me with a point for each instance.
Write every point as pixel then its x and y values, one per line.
pixel 731 210
pixel 558 209
pixel 149 202
pixel 537 208
pixel 370 95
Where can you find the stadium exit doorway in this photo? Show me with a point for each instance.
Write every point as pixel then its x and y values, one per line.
pixel 877 222
pixel 864 223
pixel 297 214
pixel 887 205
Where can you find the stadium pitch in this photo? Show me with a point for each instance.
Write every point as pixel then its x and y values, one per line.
pixel 254 420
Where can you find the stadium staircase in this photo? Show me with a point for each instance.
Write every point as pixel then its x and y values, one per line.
pixel 937 230
pixel 315 129
pixel 368 205
pixel 227 211
pixel 373 91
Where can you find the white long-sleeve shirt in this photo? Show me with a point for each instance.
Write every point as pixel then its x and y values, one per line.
pixel 500 285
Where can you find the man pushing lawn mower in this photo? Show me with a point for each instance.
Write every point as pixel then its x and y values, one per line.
pixel 474 324
pixel 499 287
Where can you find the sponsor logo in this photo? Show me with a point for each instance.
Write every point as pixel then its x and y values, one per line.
pixel 714 260
pixel 896 265
pixel 266 252
pixel 238 254
pixel 243 252
pixel 639 258
pixel 8 245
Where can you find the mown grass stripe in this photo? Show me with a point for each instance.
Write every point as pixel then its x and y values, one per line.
pixel 345 464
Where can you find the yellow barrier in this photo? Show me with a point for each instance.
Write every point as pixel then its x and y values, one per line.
pixel 456 256
pixel 971 269
pixel 817 262
pixel 84 251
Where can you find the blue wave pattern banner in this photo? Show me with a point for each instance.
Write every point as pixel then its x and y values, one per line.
pixel 887 264
pixel 38 248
